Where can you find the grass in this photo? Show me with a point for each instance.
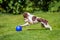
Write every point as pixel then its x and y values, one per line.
pixel 9 22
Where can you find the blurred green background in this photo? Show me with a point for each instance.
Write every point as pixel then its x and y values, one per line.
pixel 20 6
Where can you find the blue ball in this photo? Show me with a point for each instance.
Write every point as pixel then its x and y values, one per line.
pixel 18 28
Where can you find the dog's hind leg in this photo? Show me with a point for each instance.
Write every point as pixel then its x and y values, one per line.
pixel 47 26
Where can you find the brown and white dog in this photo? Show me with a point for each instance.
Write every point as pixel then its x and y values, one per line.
pixel 31 19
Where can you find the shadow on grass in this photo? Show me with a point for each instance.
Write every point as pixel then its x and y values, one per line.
pixel 1 26
pixel 35 29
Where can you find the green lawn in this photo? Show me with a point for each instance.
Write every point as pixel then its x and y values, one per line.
pixel 8 23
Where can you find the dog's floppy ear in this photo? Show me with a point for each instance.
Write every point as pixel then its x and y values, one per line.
pixel 34 18
pixel 25 15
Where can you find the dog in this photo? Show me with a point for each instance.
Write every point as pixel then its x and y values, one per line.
pixel 32 19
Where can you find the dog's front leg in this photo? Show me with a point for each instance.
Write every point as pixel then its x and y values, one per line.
pixel 26 24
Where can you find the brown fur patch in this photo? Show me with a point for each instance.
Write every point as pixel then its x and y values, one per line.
pixel 34 18
pixel 42 20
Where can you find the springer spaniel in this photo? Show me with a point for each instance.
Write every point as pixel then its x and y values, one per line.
pixel 31 19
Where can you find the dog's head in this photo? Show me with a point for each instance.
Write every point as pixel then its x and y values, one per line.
pixel 25 15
